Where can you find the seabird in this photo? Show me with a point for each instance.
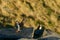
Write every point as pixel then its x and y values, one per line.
pixel 17 26
pixel 38 32
pixel 20 25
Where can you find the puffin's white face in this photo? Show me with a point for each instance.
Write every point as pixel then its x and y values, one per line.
pixel 40 27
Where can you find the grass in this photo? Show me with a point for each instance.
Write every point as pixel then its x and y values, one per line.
pixel 23 15
pixel 31 17
pixel 58 18
pixel 49 11
pixel 39 22
pixel 19 10
pixel 0 1
pixel 49 22
pixel 29 4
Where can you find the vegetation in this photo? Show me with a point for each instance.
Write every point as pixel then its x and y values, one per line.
pixel 59 17
pixel 37 10
pixel 31 17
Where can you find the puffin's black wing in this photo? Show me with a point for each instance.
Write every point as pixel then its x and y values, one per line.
pixel 38 33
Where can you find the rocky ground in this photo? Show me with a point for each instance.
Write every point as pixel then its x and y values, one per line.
pixel 26 34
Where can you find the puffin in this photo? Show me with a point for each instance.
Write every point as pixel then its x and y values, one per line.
pixel 19 25
pixel 38 32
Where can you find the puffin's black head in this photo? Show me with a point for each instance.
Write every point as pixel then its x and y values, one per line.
pixel 40 27
pixel 39 31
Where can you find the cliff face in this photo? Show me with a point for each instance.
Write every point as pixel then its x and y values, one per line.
pixel 45 12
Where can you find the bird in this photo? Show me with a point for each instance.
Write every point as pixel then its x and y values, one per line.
pixel 17 26
pixel 22 23
pixel 38 32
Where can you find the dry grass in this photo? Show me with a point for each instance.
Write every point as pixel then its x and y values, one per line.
pixel 46 11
